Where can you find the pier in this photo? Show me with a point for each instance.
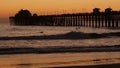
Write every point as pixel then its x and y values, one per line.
pixel 97 19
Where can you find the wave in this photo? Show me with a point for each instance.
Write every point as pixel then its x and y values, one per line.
pixel 59 49
pixel 70 35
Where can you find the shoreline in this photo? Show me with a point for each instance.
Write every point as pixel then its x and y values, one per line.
pixel 116 65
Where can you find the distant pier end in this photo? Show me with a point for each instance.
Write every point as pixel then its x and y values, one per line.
pixel 107 19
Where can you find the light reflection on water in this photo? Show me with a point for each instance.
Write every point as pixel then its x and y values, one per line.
pixel 60 59
pixel 13 31
pixel 64 59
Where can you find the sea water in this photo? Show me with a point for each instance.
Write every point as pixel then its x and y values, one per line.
pixel 55 59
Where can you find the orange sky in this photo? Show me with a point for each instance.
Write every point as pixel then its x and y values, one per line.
pixel 10 7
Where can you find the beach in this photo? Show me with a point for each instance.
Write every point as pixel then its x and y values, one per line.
pixel 58 59
pixel 59 47
pixel 94 66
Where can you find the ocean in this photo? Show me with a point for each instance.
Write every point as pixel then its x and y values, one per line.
pixel 47 46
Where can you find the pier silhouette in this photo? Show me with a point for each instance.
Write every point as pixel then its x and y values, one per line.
pixel 97 19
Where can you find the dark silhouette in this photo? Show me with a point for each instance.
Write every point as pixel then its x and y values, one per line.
pixel 107 19
pixel 35 15
pixel 108 10
pixel 23 13
pixel 96 10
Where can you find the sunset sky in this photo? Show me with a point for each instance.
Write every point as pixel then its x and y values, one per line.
pixel 10 7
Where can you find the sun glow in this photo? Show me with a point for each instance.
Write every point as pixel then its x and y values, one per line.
pixel 10 7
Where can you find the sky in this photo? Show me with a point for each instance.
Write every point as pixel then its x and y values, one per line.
pixel 10 7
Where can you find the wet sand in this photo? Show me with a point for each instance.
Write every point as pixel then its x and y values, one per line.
pixel 60 60
pixel 93 66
